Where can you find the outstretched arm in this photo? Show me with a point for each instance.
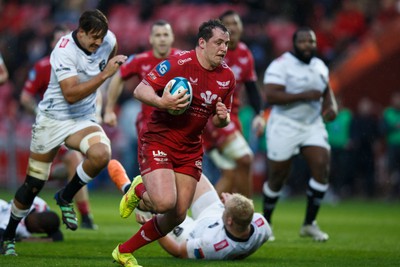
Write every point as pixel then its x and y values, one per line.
pixel 173 247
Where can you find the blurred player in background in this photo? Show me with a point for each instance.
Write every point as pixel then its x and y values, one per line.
pixel 230 224
pixel 3 71
pixel 80 63
pixel 40 219
pixel 226 146
pixel 33 91
pixel 171 146
pixel 297 85
pixel 161 39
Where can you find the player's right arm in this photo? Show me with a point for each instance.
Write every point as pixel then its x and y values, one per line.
pixel 74 91
pixel 173 247
pixel 146 94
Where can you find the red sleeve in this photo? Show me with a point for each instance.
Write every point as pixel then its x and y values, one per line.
pixel 38 79
pixel 130 68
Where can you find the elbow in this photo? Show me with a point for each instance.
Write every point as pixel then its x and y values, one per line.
pixel 70 99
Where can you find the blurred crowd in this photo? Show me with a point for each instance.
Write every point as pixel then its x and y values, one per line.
pixel 361 156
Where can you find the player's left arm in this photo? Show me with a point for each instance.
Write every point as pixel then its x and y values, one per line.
pixel 174 248
pixel 329 105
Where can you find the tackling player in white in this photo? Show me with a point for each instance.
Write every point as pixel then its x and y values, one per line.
pixel 217 230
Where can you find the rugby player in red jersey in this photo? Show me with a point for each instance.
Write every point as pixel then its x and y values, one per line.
pixel 170 152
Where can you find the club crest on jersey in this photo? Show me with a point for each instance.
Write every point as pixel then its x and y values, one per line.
pixel 208 98
pixel 163 67
pixel 223 84
pixel 102 65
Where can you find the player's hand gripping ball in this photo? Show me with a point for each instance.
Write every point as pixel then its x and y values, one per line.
pixel 177 85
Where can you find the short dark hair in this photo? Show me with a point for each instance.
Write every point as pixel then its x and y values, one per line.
pixel 160 22
pixel 301 29
pixel 205 29
pixel 227 13
pixel 94 21
pixel 42 222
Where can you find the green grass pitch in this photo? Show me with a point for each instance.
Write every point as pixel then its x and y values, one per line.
pixel 362 233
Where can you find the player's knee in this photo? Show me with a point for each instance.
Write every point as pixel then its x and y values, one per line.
pixel 99 140
pixel 99 155
pixel 39 170
pixel 164 205
pixel 97 148
pixel 29 190
pixel 245 161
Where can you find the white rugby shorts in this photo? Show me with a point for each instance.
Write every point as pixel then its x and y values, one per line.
pixel 49 133
pixel 285 137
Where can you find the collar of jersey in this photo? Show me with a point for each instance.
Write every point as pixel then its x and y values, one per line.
pixel 74 35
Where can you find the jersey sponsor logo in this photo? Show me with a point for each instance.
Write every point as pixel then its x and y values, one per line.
pixel 259 222
pixel 61 68
pixel 183 61
pixel 193 80
pixel 102 65
pixel 64 43
pixel 163 67
pixel 181 53
pixel 159 153
pixel 208 98
pixel 221 245
pixel 213 225
pixel 152 76
pixel 198 253
pixel 223 84
pixel 160 156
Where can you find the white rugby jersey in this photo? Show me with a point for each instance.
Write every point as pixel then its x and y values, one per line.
pixel 69 59
pixel 297 77
pixel 5 210
pixel 209 239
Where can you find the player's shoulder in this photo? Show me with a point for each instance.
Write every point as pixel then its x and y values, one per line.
pixel 66 44
pixel 259 220
pixel 318 62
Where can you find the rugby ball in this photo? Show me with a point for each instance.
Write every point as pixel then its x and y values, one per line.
pixel 177 85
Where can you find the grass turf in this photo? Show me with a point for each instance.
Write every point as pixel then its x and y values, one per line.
pixel 361 234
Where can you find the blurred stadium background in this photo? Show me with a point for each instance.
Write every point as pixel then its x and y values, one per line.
pixel 358 39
